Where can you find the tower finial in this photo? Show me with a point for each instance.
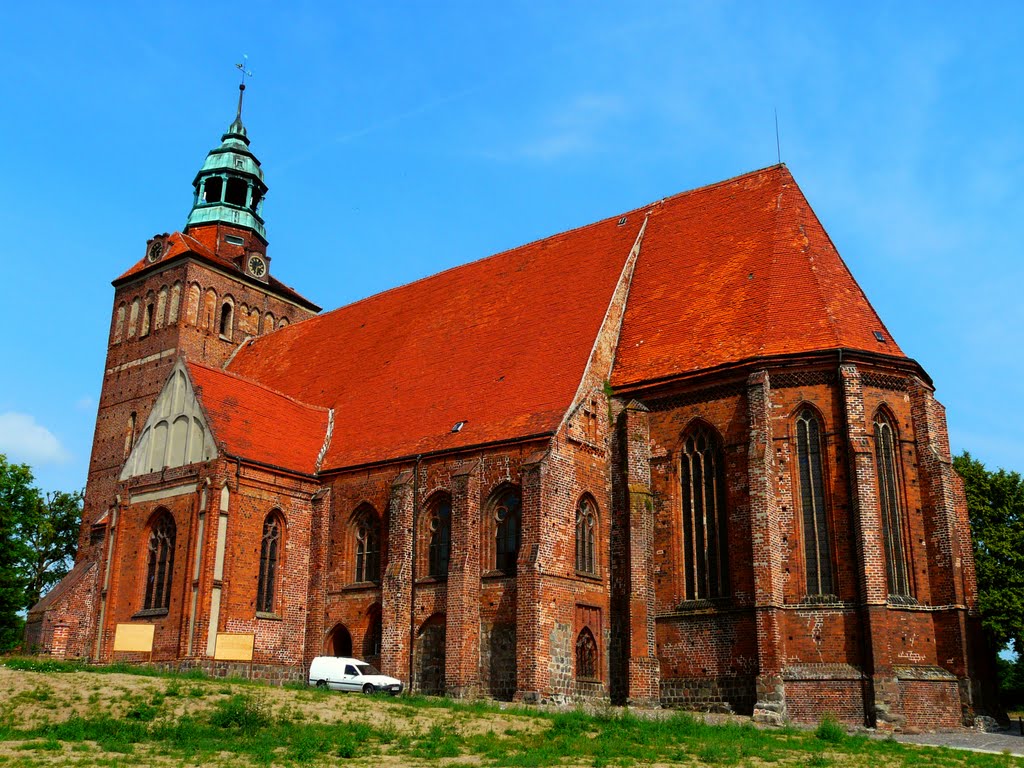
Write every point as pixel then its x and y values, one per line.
pixel 241 86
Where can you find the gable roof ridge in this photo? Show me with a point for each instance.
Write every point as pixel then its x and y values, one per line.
pixel 623 285
pixel 202 247
pixel 646 209
pixel 255 383
pixel 845 267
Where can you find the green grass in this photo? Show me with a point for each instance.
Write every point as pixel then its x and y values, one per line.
pixel 228 726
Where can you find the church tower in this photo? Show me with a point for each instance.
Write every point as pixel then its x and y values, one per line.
pixel 199 294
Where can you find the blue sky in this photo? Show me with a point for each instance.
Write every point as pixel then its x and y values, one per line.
pixel 399 139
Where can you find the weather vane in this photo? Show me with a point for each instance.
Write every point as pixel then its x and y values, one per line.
pixel 241 86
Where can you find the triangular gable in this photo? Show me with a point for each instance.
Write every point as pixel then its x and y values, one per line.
pixel 176 432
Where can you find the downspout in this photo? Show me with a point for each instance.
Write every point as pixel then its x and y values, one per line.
pixel 412 567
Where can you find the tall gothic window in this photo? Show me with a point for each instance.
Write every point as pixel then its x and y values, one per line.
pixel 507 519
pixel 703 495
pixel 586 655
pixel 367 547
pixel 586 532
pixel 817 554
pixel 160 563
pixel 886 459
pixel 439 548
pixel 270 551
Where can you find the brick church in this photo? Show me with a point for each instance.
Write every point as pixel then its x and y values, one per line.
pixel 672 456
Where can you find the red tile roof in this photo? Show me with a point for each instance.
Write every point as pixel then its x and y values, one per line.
pixel 739 270
pixel 500 344
pixel 254 422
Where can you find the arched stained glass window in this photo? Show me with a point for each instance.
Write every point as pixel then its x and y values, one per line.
pixel 886 459
pixel 160 563
pixel 817 552
pixel 507 518
pixel 440 527
pixel 586 534
pixel 367 547
pixel 702 480
pixel 586 655
pixel 270 553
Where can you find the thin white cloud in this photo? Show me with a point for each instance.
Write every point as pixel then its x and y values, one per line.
pixel 85 403
pixel 574 128
pixel 22 439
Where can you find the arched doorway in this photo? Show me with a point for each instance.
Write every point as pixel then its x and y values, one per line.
pixel 429 663
pixel 339 642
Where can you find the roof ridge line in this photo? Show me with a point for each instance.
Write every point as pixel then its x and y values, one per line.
pixel 564 233
pixel 846 268
pixel 256 383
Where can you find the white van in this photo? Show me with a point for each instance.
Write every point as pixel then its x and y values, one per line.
pixel 344 674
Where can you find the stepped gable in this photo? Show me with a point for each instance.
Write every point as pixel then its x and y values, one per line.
pixel 254 422
pixel 500 343
pixel 739 270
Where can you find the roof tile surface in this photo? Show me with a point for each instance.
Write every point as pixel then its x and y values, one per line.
pixel 258 423
pixel 499 343
pixel 726 273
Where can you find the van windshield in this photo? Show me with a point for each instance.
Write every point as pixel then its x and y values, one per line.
pixel 367 669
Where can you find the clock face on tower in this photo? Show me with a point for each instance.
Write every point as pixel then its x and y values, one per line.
pixel 257 266
pixel 156 250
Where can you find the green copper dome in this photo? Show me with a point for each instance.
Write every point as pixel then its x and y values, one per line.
pixel 229 188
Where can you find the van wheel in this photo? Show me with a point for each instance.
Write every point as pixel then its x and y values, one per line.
pixel 368 688
pixel 321 683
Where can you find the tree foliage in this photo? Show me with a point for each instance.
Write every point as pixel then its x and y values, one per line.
pixel 38 537
pixel 995 502
pixel 49 535
pixel 16 495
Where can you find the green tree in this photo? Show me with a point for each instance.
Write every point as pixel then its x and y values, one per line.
pixel 17 494
pixel 995 502
pixel 49 534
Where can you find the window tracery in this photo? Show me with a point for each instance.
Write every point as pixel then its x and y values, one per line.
pixel 702 471
pixel 160 563
pixel 817 552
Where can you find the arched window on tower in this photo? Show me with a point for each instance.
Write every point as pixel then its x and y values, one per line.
pixel 586 535
pixel 887 467
pixel 212 188
pixel 160 563
pixel 367 545
pixel 237 191
pixel 270 552
pixel 507 525
pixel 227 319
pixel 586 655
pixel 147 320
pixel 129 434
pixel 817 550
pixel 702 481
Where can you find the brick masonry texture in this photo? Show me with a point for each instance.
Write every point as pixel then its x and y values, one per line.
pixel 608 347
